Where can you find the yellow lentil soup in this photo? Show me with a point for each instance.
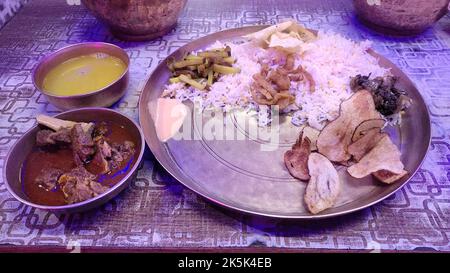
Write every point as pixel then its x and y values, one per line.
pixel 83 74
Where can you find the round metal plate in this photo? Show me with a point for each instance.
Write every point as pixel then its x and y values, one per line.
pixel 239 175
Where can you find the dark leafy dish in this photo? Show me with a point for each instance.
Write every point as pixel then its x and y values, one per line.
pixel 388 98
pixel 75 161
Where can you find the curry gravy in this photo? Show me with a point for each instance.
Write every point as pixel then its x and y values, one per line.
pixel 62 158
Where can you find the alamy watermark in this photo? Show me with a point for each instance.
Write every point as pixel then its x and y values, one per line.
pixel 73 2
pixel 234 124
pixel 73 246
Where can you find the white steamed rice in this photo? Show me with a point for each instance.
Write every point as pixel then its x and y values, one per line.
pixel 331 59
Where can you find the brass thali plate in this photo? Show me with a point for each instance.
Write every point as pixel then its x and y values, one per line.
pixel 238 174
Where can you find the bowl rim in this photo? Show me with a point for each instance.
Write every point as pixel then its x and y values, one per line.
pixel 90 200
pixel 71 47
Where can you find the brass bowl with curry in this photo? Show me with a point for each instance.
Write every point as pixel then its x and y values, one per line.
pixel 75 161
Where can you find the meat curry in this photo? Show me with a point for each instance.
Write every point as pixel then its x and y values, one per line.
pixel 73 164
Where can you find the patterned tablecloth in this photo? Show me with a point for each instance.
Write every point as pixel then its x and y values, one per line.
pixel 8 8
pixel 158 212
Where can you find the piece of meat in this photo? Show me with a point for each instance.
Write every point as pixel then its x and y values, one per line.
pixel 82 144
pixel 102 154
pixel 334 139
pixel 296 159
pixel 75 191
pixel 280 79
pixel 79 172
pixel 324 186
pixel 101 129
pixel 97 188
pixel 43 138
pixel 48 178
pixel 79 185
pixel 99 163
pixel 48 137
pixel 104 148
pixel 120 153
pixel 62 136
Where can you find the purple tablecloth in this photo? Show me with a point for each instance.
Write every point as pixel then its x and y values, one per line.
pixel 158 212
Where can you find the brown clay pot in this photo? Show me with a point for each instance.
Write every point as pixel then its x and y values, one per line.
pixel 137 20
pixel 400 17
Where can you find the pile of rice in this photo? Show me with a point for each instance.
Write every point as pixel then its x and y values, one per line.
pixel 331 59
